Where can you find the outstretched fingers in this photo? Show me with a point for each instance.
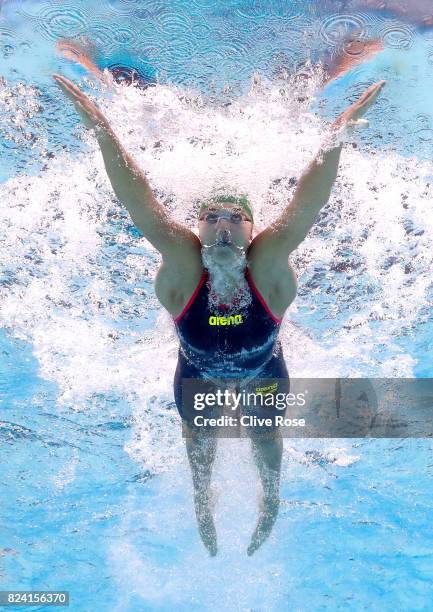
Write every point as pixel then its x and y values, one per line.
pixel 89 112
pixel 361 106
pixel 75 94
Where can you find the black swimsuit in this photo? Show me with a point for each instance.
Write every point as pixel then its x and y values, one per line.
pixel 231 344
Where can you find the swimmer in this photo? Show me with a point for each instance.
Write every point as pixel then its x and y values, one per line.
pixel 225 274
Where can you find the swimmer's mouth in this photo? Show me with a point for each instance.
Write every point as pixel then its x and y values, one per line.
pixel 224 238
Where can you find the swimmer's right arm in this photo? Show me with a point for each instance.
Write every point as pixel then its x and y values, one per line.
pixel 177 244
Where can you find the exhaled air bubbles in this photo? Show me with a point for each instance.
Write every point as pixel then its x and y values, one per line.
pixel 397 35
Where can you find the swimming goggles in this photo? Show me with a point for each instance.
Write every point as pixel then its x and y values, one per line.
pixel 235 217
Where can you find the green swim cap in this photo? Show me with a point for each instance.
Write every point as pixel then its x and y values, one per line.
pixel 241 201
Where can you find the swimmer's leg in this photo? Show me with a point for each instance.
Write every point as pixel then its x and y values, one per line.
pixel 267 452
pixel 201 450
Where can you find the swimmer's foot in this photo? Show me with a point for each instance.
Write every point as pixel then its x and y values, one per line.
pixel 204 510
pixel 268 514
pixel 354 51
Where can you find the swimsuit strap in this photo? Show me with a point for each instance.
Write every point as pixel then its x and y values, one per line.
pixel 259 296
pixel 193 296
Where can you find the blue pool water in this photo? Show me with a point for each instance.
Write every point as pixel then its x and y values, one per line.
pixel 96 491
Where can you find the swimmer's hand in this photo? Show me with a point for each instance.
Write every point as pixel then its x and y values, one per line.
pixel 178 245
pixel 343 126
pixel 90 114
pixel 269 251
pixel 353 115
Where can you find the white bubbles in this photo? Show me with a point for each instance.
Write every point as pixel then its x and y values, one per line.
pixel 77 282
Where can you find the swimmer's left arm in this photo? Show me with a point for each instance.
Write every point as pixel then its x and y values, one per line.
pixel 313 190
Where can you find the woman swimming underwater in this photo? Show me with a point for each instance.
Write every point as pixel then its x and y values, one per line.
pixel 227 291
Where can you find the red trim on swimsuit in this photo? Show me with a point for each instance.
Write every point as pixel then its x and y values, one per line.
pixel 259 296
pixel 253 289
pixel 192 298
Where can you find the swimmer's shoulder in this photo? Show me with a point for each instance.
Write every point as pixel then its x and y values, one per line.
pixel 175 284
pixel 276 282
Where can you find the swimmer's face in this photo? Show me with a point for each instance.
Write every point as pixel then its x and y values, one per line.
pixel 224 229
